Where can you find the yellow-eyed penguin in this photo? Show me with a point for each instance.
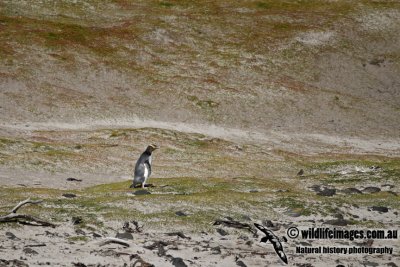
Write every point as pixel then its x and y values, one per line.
pixel 143 167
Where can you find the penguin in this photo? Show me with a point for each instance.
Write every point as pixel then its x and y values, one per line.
pixel 143 167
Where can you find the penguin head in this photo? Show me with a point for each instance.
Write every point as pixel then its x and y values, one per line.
pixel 152 147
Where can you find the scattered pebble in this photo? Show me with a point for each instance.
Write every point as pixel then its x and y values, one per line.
pixel 76 220
pixel 323 190
pixel 222 232
pixel 216 250
pixel 30 251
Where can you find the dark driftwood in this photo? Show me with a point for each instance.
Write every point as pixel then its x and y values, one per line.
pixel 140 261
pixel 236 224
pixel 115 240
pixel 27 201
pixel 24 218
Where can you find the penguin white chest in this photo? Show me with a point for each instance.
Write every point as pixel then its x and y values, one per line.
pixel 146 171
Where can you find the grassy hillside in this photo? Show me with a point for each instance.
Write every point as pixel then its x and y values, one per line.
pixel 293 66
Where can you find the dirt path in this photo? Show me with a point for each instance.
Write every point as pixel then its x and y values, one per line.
pixel 307 143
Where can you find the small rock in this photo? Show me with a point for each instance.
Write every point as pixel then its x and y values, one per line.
pixel 222 232
pixel 80 232
pixel 241 264
pixel 71 179
pixel 11 236
pixel 69 195
pixel 30 251
pixel 78 264
pixel 327 192
pixel 323 190
pixel 300 173
pixel 141 192
pixel 351 190
pixel 125 235
pixel 391 264
pixel 379 208
pixel 180 213
pixel 76 220
pixel 178 262
pixel 216 250
pixel 371 190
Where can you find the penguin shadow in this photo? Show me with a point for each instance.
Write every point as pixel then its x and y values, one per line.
pixel 142 191
pixel 140 186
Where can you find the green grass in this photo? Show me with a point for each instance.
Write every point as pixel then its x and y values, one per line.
pixel 205 200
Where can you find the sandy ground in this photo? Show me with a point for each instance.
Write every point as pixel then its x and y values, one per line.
pixel 38 246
